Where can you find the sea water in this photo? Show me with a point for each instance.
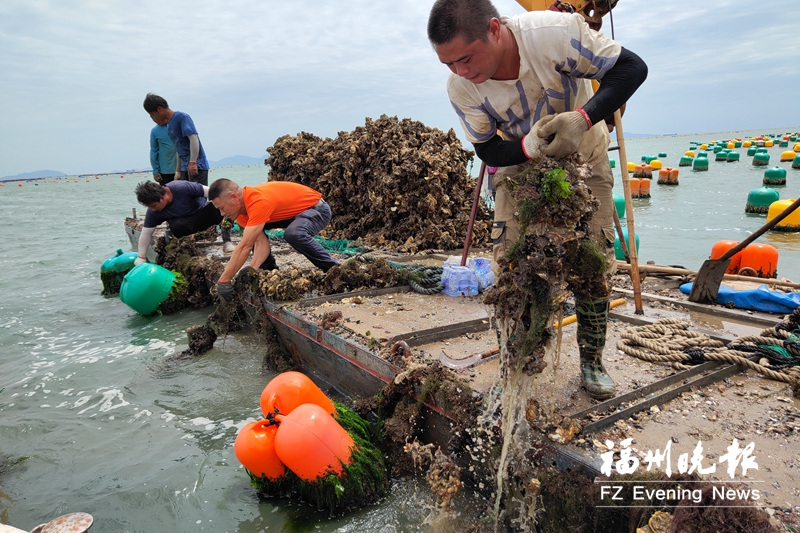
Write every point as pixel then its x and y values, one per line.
pixel 678 225
pixel 93 418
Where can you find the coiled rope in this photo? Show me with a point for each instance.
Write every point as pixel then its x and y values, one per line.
pixel 669 341
pixel 424 279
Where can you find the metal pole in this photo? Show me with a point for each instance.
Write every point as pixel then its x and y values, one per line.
pixel 626 186
pixel 472 214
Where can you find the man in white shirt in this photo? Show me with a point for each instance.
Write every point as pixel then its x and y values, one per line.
pixel 528 77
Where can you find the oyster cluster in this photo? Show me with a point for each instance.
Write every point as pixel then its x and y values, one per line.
pixel 391 184
pixel 292 283
pixel 553 255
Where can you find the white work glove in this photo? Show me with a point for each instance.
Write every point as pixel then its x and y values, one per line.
pixel 533 143
pixel 139 261
pixel 568 129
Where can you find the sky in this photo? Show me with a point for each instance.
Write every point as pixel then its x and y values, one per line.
pixel 74 73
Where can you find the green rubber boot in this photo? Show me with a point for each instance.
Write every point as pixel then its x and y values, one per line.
pixel 592 318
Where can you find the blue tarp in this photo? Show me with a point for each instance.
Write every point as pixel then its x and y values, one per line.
pixel 761 299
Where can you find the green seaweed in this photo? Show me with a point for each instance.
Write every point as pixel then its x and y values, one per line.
pixel 112 281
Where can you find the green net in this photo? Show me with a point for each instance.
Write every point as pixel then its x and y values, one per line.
pixel 341 246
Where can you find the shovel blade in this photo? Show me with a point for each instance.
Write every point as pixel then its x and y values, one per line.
pixel 706 284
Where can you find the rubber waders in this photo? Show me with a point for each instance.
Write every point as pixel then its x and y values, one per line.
pixel 592 318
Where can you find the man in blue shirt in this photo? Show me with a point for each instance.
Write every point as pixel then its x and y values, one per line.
pixel 191 156
pixel 184 206
pixel 163 157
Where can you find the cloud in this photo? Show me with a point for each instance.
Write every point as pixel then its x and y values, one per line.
pixel 75 73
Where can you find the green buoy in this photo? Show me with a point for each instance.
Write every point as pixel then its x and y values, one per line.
pixel 147 286
pixel 700 164
pixel 619 203
pixel 759 200
pixel 618 253
pixel 775 176
pixel 113 270
pixel 761 159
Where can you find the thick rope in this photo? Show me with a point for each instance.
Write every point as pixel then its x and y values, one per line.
pixel 424 279
pixel 669 341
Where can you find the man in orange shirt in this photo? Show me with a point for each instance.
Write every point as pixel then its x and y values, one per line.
pixel 274 204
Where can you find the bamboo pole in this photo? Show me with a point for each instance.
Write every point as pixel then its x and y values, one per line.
pixel 729 277
pixel 626 186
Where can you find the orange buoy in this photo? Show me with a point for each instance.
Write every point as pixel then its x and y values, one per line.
pixel 311 443
pixel 286 391
pixel 719 249
pixel 644 187
pixel 255 449
pixel 763 258
pixel 668 176
pixel 19 185
pixel 635 186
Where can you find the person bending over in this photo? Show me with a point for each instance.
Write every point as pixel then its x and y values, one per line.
pixel 274 204
pixel 183 205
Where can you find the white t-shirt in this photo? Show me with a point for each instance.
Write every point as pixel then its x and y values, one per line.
pixel 559 53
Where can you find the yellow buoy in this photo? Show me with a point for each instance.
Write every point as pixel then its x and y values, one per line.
pixel 631 166
pixel 787 155
pixel 656 164
pixel 731 145
pixel 689 153
pixel 791 222
pixel 768 144
pixel 747 144
pixel 703 146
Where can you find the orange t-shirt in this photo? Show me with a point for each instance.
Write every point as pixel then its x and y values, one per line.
pixel 276 200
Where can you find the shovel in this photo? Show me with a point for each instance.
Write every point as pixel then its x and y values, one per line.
pixel 706 283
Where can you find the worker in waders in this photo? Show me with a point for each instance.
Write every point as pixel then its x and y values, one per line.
pixel 528 77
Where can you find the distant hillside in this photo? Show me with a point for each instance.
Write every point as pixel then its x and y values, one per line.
pixel 238 160
pixel 34 174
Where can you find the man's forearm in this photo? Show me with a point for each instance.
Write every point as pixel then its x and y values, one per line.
pixel 237 260
pixel 617 86
pixel 260 251
pixel 499 153
pixel 145 238
pixel 194 148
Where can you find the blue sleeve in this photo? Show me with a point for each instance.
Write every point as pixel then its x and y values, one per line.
pixel 154 152
pixel 152 219
pixel 187 126
pixel 195 189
